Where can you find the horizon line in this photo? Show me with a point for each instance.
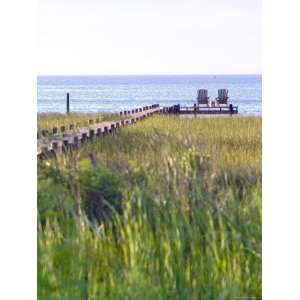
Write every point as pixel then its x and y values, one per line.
pixel 184 74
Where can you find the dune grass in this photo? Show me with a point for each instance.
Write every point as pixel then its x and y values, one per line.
pixel 167 209
pixel 49 120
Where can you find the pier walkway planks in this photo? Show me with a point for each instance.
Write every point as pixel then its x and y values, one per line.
pixel 74 137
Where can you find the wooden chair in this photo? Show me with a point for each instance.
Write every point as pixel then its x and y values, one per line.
pixel 202 97
pixel 222 97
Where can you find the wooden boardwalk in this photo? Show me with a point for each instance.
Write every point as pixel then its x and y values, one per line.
pixel 203 110
pixel 57 142
pixel 73 137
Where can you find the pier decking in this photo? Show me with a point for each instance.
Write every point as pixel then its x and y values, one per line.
pixel 65 139
pixel 60 141
pixel 203 110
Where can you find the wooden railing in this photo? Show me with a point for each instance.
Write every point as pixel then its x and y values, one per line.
pixel 71 137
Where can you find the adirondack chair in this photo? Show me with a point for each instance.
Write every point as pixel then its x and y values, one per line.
pixel 222 96
pixel 202 97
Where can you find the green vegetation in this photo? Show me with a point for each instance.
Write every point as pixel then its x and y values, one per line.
pixel 50 120
pixel 167 209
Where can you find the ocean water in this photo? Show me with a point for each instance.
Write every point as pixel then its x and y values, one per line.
pixel 115 93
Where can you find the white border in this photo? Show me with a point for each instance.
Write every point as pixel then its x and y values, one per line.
pixel 18 147
pixel 281 151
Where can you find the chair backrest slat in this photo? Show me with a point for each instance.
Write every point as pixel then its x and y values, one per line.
pixel 202 96
pixel 222 96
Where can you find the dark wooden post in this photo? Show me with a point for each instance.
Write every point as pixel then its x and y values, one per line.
pixel 76 141
pixel 65 145
pixel 98 132
pixel 54 146
pixel 112 128
pixel 45 132
pixel 83 137
pixel 231 109
pixel 68 103
pixel 91 134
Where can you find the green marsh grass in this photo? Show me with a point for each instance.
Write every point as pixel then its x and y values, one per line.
pixel 169 208
pixel 49 120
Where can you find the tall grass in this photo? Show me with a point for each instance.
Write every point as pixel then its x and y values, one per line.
pixel 167 209
pixel 50 120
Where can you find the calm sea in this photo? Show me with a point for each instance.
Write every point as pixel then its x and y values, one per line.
pixel 115 93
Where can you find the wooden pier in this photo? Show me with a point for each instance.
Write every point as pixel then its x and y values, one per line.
pixel 60 141
pixel 203 110
pixel 63 139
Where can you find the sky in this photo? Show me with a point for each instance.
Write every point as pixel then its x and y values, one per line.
pixel 123 37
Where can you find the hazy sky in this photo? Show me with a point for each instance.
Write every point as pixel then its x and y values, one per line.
pixel 149 36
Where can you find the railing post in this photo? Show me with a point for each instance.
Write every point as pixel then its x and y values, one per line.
pixel 65 145
pixel 98 132
pixel 91 134
pixel 76 142
pixel 83 137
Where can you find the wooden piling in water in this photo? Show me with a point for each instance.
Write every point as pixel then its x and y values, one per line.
pixel 68 103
